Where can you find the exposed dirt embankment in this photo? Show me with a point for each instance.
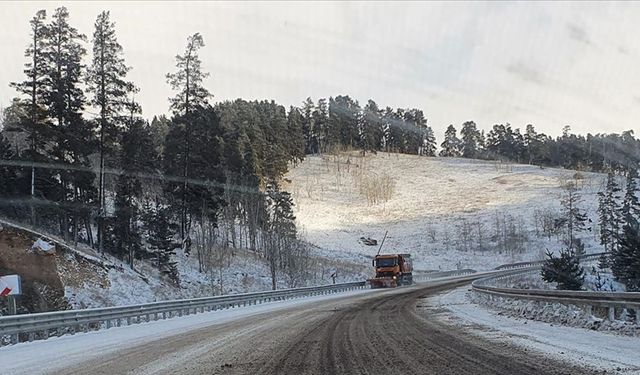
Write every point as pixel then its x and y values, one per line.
pixel 44 277
pixel 41 286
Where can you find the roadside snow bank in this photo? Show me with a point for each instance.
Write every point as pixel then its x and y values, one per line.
pixel 597 349
pixel 558 313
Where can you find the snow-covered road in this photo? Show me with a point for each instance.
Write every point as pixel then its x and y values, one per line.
pixel 48 356
pixel 365 332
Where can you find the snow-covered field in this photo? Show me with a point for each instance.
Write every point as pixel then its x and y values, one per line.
pixel 433 200
pixel 606 351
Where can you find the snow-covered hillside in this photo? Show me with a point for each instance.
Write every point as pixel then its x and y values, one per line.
pixel 87 285
pixel 447 212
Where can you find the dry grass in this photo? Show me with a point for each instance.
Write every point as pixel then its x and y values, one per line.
pixel 375 188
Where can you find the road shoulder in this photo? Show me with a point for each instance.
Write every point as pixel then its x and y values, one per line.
pixel 609 352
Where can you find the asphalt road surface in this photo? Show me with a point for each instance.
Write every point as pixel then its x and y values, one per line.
pixel 376 333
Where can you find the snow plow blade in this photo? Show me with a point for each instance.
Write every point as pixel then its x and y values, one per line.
pixel 383 282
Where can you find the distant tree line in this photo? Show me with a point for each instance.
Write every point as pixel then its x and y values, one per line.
pixel 342 123
pixel 597 153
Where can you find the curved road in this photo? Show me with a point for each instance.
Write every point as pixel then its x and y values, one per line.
pixel 370 334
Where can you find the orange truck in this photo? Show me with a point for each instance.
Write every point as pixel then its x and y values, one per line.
pixel 392 270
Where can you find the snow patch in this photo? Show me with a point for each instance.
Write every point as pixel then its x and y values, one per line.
pixel 43 246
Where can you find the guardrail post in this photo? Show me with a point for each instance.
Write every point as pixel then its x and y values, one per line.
pixel 612 313
pixel 128 321
pixel 31 336
pixel 589 310
pixel 638 316
pixel 108 323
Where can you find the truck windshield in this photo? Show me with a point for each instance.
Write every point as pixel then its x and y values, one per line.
pixel 386 262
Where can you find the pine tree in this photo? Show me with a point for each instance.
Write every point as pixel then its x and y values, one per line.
pixel 63 66
pixel 191 95
pixel 608 209
pixel 471 140
pixel 188 79
pixel 308 129
pixel 274 155
pixel 451 144
pixel 573 219
pixel 392 124
pixel 630 204
pixel 253 200
pixel 7 173
pixel 534 145
pixel 159 128
pixel 280 229
pixel 35 122
pixel 320 127
pixel 296 141
pixel 344 114
pixel 428 142
pixel 625 260
pixel 505 142
pixel 202 199
pixel 565 270
pixel 106 80
pixel 161 241
pixel 72 135
pixel 137 157
pixel 371 131
pixel 417 137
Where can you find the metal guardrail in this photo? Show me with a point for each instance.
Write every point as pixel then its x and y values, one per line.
pixel 533 263
pixel 437 275
pixel 38 326
pixel 614 302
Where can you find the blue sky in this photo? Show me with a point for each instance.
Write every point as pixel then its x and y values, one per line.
pixel 550 64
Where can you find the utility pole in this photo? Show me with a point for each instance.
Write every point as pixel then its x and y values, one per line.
pixel 382 243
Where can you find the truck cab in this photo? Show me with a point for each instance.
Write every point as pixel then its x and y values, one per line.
pixel 392 270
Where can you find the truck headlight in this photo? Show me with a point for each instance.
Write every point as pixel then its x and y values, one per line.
pixel 395 277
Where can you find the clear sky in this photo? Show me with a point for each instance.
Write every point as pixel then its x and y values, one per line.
pixel 550 64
